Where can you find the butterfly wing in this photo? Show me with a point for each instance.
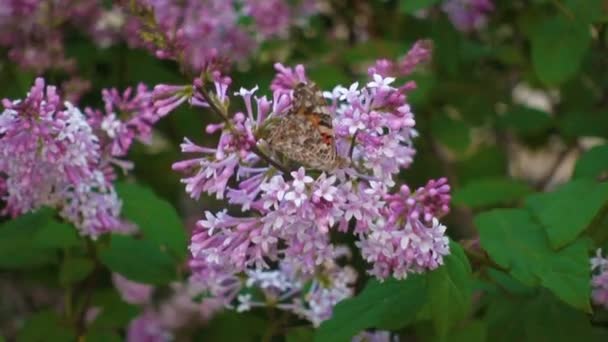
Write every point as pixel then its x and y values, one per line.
pixel 305 134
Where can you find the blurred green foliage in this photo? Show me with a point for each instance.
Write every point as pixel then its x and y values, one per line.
pixel 531 280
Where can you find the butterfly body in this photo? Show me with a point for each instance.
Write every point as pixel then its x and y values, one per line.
pixel 305 134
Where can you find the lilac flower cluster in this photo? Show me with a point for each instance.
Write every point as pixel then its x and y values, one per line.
pixel 311 297
pixel 34 32
pixel 189 303
pixel 468 15
pixel 599 279
pixel 419 53
pixel 201 34
pixel 288 215
pixel 51 154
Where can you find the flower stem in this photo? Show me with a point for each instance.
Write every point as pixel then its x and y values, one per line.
pixel 224 115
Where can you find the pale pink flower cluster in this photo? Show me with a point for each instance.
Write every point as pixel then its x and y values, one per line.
pixel 599 279
pixel 201 34
pixel 468 15
pixel 287 216
pixel 191 302
pixel 51 154
pixel 34 33
pixel 309 296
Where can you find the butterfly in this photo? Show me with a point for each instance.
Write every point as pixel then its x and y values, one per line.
pixel 305 133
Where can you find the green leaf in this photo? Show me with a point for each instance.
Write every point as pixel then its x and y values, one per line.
pixel 74 270
pixel 475 331
pixel 454 134
pixel 505 320
pixel 232 326
pixel 548 319
pixel 490 192
pixel 525 121
pixel 369 50
pixel 558 48
pixel 411 6
pixel 300 334
pixel 541 317
pixel 17 249
pixel 102 336
pixel 156 218
pixel 327 75
pixel 587 11
pixel 517 243
pixel 449 291
pixel 138 260
pixel 45 326
pixel 488 162
pixel 508 283
pixel 584 124
pixel 564 214
pixel 55 234
pixel 592 163
pixel 391 304
pixel 114 312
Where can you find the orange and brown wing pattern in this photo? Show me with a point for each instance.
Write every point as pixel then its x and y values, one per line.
pixel 305 135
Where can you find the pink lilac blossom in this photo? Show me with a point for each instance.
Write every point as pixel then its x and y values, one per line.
pixel 48 157
pixel 126 116
pixel 209 34
pixel 287 215
pixel 33 29
pixel 130 291
pixel 468 15
pixel 54 155
pixel 34 33
pixel 147 328
pixel 286 287
pixel 191 302
pixel 420 53
pixel 599 279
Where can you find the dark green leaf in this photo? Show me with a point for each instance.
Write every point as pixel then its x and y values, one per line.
pixel 548 319
pixel 454 134
pixel 102 336
pixel 505 320
pixel 138 260
pixel 391 304
pixel 327 76
pixel 583 124
pixel 45 326
pixel 232 326
pixel 525 121
pixel 535 318
pixel 449 291
pixel 562 212
pixel 74 270
pixel 475 331
pixel 490 192
pixel 17 248
pixel 556 60
pixel 587 11
pixel 156 218
pixel 114 312
pixel 369 50
pixel 592 163
pixel 486 163
pixel 520 245
pixel 301 334
pixel 57 234
pixel 411 6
